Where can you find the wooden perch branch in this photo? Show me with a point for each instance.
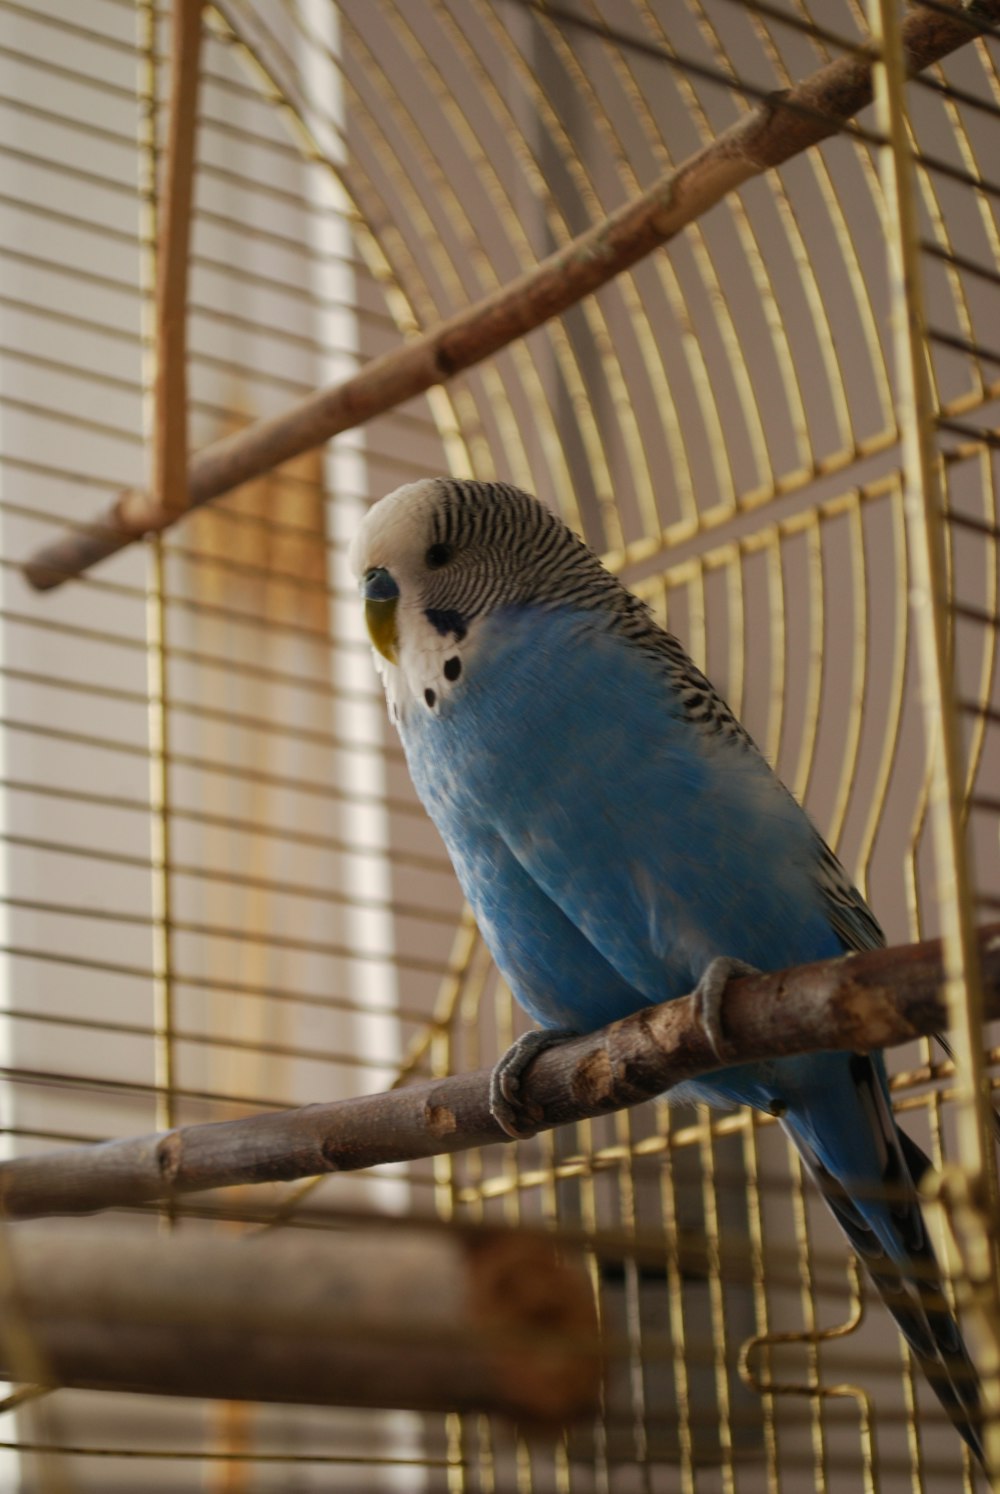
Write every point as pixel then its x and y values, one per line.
pixel 395 1316
pixel 170 453
pixel 766 136
pixel 870 1000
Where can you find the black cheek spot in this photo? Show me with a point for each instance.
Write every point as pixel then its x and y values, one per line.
pixel 447 621
pixel 452 668
pixel 430 698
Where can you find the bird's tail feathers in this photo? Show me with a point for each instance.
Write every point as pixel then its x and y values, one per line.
pixel 890 1237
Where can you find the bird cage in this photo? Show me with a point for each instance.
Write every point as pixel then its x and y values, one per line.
pixel 718 281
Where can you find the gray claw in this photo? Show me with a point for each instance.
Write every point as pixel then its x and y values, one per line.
pixel 708 995
pixel 506 1106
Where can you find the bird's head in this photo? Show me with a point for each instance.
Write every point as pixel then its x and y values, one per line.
pixel 451 551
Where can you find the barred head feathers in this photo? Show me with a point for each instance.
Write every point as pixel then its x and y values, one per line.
pixel 467 548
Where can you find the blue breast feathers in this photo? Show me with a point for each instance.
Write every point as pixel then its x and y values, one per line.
pixel 608 846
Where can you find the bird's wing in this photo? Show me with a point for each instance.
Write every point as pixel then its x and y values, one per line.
pixel 850 916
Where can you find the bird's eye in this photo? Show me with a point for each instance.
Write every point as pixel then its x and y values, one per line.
pixel 438 555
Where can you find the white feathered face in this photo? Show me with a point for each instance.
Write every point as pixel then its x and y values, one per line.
pixel 436 557
pixel 392 555
pixel 429 561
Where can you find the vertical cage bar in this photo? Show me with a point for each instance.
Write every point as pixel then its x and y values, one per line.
pixel 971 1192
pixel 810 1334
pixel 716 1294
pixel 760 1283
pixel 160 841
pixel 156 647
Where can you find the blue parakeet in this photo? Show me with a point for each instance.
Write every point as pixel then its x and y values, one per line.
pixel 622 841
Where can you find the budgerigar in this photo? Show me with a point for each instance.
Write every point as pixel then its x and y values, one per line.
pixel 622 841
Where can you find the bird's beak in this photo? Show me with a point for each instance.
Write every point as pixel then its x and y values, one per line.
pixel 381 596
pixel 380 618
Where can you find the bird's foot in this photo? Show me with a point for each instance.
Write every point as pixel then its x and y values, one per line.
pixel 708 995
pixel 506 1105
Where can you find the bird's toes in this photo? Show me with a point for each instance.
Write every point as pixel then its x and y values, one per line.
pixel 508 1083
pixel 513 1119
pixel 708 994
pixel 510 1112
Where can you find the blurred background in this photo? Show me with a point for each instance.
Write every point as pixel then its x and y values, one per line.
pixel 218 893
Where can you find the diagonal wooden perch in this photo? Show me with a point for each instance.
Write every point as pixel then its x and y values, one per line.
pixel 766 136
pixel 859 1002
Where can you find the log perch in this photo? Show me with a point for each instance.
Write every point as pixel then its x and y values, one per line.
pixel 858 1002
pixel 398 1316
pixel 775 130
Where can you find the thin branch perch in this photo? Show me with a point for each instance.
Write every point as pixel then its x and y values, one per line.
pixel 766 136
pixel 170 447
pixel 858 1002
pixel 401 1316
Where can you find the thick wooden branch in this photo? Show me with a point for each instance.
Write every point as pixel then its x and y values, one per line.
pixel 859 1002
pixel 766 136
pixel 398 1315
pixel 170 446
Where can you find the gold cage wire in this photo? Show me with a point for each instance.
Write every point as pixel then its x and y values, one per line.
pixel 219 893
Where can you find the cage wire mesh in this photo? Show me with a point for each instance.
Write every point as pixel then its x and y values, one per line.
pixel 219 892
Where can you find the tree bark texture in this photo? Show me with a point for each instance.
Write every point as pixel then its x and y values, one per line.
pixel 404 1316
pixel 859 1002
pixel 170 453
